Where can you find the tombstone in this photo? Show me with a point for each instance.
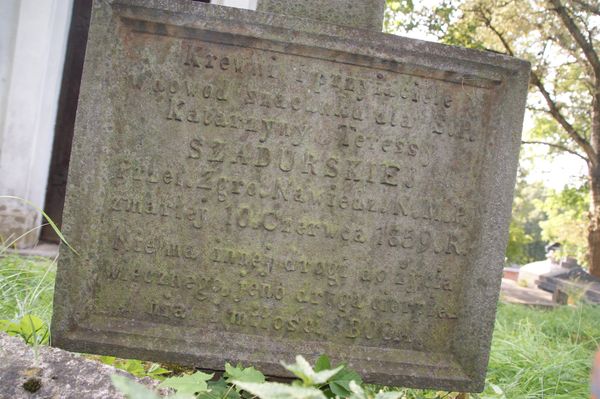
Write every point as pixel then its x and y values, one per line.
pixel 247 187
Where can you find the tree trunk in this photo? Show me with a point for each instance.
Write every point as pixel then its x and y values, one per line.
pixel 594 168
pixel 594 227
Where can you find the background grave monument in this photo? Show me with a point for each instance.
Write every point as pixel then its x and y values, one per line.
pixel 247 186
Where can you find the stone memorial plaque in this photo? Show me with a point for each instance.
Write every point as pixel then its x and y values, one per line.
pixel 248 187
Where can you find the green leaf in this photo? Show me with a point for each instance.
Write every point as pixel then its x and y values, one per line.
pixel 132 389
pixel 304 371
pixel 135 367
pixel 323 376
pixel 340 389
pixel 10 327
pixel 340 383
pixel 188 384
pixel 239 373
pixel 322 363
pixel 275 390
pixel 34 330
pixel 301 369
pixel 156 371
pixel 219 390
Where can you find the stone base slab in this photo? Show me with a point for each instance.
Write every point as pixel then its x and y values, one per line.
pixel 45 372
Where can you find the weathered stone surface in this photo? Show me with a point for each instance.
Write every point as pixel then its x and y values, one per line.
pixel 52 373
pixel 248 186
pixel 364 14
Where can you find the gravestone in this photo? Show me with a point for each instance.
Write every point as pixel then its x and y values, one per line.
pixel 247 187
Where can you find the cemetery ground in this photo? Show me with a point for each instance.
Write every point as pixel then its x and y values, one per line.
pixel 536 353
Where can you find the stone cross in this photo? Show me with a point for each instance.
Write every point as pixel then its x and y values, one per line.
pixel 362 14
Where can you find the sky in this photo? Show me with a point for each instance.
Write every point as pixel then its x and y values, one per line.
pixel 555 171
pixel 563 170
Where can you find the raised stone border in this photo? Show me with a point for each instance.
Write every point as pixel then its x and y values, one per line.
pixel 45 372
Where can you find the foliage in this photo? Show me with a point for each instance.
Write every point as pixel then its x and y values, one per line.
pixel 239 373
pixel 542 354
pixel 525 242
pixel 32 329
pixel 307 375
pixel 135 367
pixel 339 384
pixel 518 239
pixel 192 384
pixel 26 287
pixel 133 390
pixel 542 215
pixel 321 382
pixel 359 393
pixel 567 222
pixel 275 390
pixel 26 290
pixel 393 12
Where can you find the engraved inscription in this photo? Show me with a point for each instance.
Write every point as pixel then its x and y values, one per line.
pixel 268 194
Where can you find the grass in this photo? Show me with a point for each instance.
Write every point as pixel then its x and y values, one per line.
pixel 26 287
pixel 543 354
pixel 535 353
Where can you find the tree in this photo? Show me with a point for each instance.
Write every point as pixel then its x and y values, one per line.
pixel 561 39
pixel 525 243
pixel 567 219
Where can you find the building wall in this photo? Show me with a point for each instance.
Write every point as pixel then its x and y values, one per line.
pixel 9 11
pixel 35 44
